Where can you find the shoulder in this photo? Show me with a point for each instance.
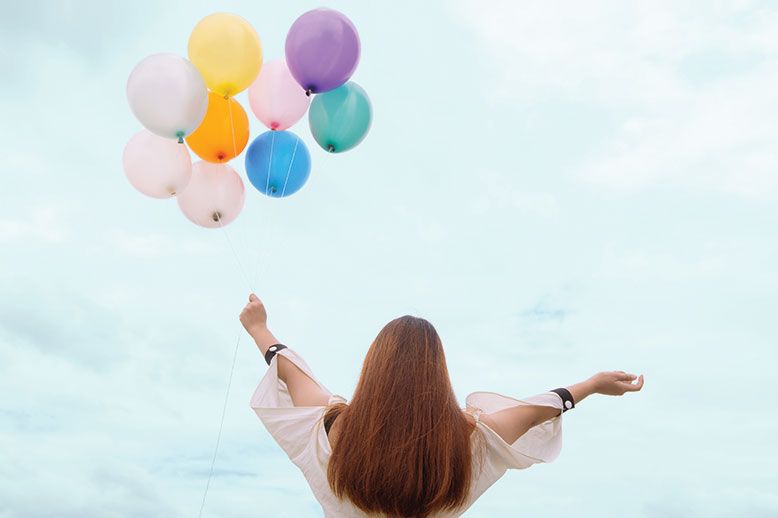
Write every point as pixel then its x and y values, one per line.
pixel 472 416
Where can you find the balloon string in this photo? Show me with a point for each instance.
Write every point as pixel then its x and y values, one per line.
pixel 221 424
pixel 242 243
pixel 237 259
pixel 232 129
pixel 260 236
pixel 218 217
pixel 289 170
pixel 229 380
pixel 270 162
pixel 232 370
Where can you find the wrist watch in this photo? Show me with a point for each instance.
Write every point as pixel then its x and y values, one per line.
pixel 567 398
pixel 272 350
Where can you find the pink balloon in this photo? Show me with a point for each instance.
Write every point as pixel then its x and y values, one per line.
pixel 276 98
pixel 214 196
pixel 156 166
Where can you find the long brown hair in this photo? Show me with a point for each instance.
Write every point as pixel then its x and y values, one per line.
pixel 403 445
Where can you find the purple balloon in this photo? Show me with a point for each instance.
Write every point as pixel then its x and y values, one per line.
pixel 322 50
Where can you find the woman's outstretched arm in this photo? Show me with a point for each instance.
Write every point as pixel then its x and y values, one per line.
pixel 303 390
pixel 511 423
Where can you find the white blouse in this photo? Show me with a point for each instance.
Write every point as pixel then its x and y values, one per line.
pixel 299 430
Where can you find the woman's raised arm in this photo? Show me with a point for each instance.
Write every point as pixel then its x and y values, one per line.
pixel 303 390
pixel 511 423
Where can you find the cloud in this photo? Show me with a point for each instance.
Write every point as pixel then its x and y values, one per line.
pixel 719 503
pixel 72 326
pixel 91 489
pixel 542 312
pixel 496 191
pixel 90 29
pixel 157 245
pixel 43 223
pixel 691 90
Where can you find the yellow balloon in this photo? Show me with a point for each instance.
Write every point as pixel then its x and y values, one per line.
pixel 226 50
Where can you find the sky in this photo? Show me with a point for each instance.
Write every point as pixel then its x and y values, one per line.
pixel 560 188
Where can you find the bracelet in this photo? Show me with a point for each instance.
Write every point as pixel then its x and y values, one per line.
pixel 272 350
pixel 567 398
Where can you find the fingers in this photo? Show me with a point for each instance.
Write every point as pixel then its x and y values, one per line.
pixel 253 297
pixel 624 376
pixel 633 387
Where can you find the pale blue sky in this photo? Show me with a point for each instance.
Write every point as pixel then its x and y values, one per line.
pixel 559 189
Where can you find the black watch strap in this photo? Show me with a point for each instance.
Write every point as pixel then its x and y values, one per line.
pixel 272 350
pixel 567 398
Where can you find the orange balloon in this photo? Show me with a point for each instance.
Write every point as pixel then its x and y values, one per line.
pixel 224 131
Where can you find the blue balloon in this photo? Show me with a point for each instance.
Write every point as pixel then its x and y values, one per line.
pixel 278 163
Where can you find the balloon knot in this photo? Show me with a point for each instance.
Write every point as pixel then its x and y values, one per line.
pixel 216 216
pixel 330 148
pixel 180 140
pixel 180 135
pixel 308 92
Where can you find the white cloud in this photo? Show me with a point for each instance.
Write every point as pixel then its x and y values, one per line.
pixel 496 191
pixel 156 245
pixel 694 88
pixel 40 224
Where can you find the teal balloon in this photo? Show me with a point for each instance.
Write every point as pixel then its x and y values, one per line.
pixel 340 118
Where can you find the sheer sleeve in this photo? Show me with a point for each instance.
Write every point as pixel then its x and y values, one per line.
pixel 541 443
pixel 292 427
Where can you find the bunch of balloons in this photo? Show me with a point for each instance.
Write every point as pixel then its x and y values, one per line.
pixel 190 104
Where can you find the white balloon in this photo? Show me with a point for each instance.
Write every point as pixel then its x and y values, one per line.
pixel 156 166
pixel 214 196
pixel 168 95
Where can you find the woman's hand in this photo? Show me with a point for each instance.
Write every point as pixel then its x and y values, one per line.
pixel 615 383
pixel 254 317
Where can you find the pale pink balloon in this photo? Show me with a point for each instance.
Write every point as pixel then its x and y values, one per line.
pixel 214 196
pixel 156 166
pixel 276 98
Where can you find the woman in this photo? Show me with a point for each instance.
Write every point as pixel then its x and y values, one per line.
pixel 403 447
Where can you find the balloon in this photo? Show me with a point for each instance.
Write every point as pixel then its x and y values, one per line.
pixel 322 50
pixel 214 196
pixel 276 98
pixel 167 94
pixel 224 131
pixel 278 163
pixel 226 50
pixel 156 166
pixel 340 118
